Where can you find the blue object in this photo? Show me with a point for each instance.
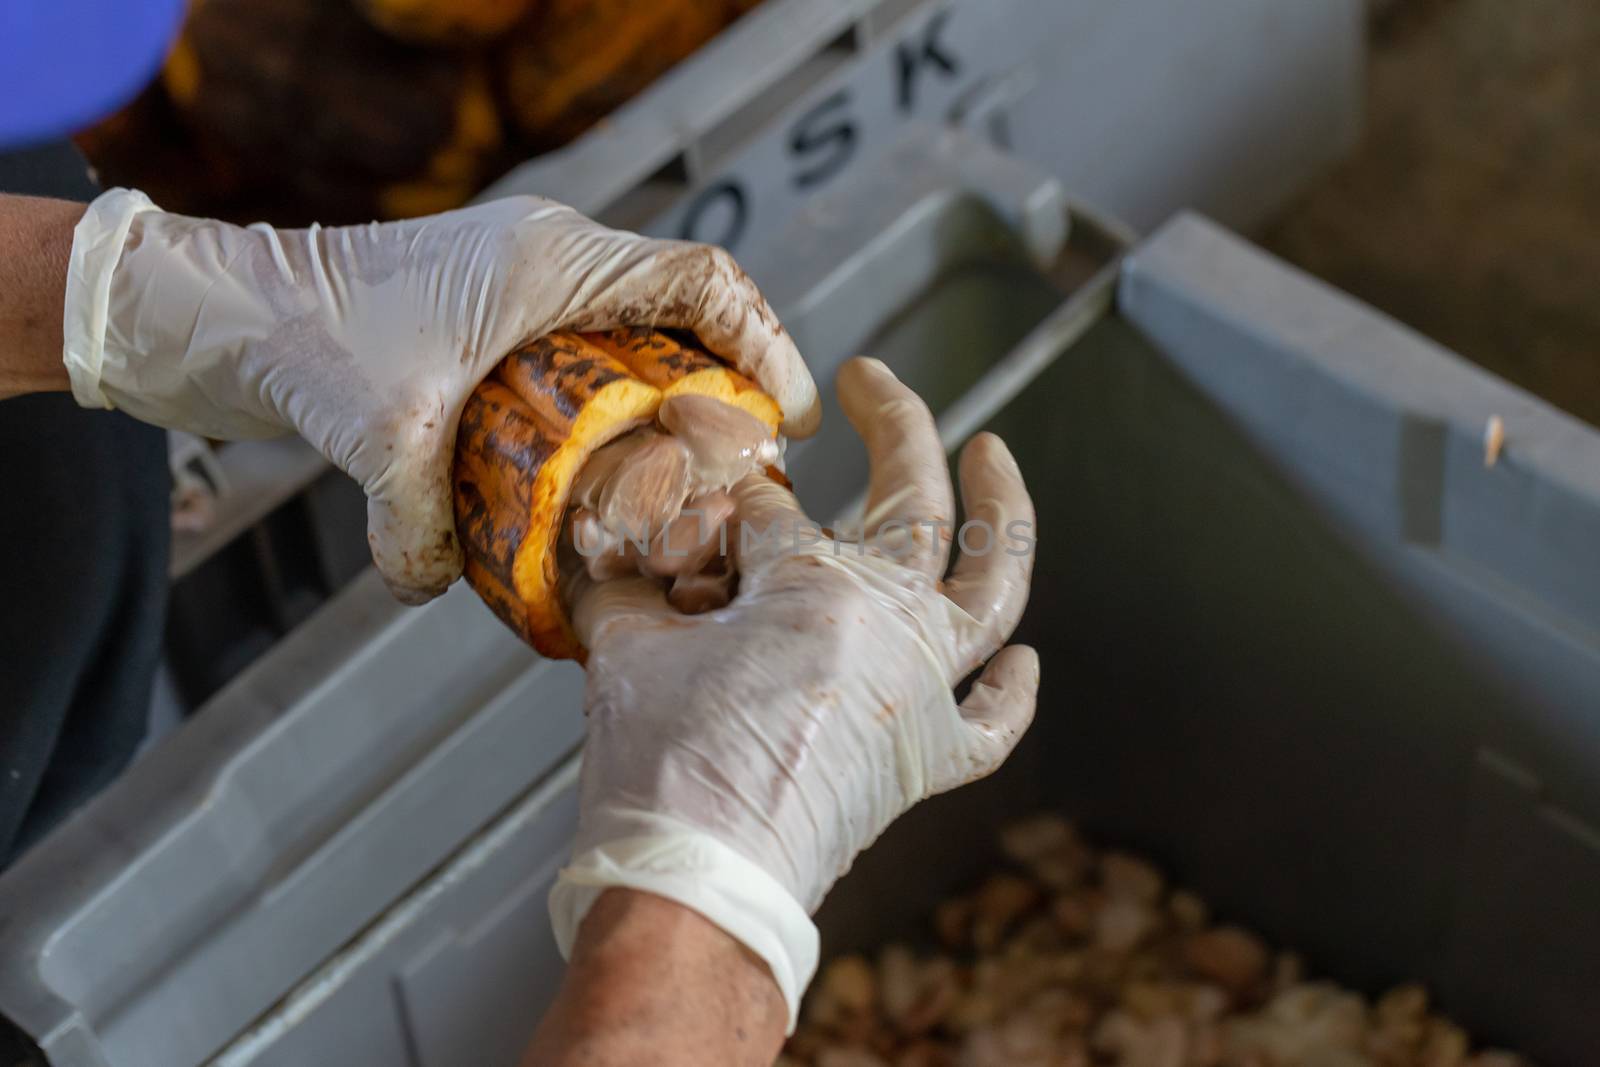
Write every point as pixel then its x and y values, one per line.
pixel 64 64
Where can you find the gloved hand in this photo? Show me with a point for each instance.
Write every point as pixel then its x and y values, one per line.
pixel 368 339
pixel 737 761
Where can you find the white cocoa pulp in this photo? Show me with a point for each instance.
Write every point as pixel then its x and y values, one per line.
pixel 655 500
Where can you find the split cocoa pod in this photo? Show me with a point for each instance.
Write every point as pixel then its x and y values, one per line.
pixel 573 62
pixel 525 435
pixel 328 118
pixel 443 22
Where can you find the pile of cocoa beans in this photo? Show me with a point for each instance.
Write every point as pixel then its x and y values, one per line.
pixel 294 111
pixel 1083 958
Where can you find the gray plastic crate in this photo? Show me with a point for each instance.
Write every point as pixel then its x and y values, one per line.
pixel 1302 646
pixel 1139 106
pixel 343 858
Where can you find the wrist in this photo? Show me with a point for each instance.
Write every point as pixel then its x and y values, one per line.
pixel 653 853
pixel 162 315
pixel 97 244
pixel 651 981
pixel 35 246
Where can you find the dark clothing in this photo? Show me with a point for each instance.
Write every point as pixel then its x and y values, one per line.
pixel 56 170
pixel 83 573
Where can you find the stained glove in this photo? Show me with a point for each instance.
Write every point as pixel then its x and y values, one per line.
pixel 737 761
pixel 368 339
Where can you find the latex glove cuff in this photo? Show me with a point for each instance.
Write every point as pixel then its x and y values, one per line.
pixel 672 860
pixel 96 247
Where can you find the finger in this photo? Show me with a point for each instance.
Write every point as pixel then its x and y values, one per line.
pixel 411 529
pixel 601 608
pixel 700 288
pixel 996 542
pixel 997 711
pixel 767 523
pixel 909 503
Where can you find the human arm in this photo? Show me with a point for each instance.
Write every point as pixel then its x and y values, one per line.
pixel 652 982
pixel 367 340
pixel 737 761
pixel 35 245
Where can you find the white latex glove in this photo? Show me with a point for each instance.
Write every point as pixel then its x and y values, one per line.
pixel 737 761
pixel 368 339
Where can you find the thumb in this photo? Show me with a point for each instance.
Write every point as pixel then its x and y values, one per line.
pixel 631 602
pixel 411 529
pixel 766 518
pixel 997 711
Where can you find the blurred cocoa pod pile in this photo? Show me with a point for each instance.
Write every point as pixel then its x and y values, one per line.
pixel 1082 958
pixel 293 111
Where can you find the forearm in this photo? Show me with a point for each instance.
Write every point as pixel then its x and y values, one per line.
pixel 652 984
pixel 35 244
